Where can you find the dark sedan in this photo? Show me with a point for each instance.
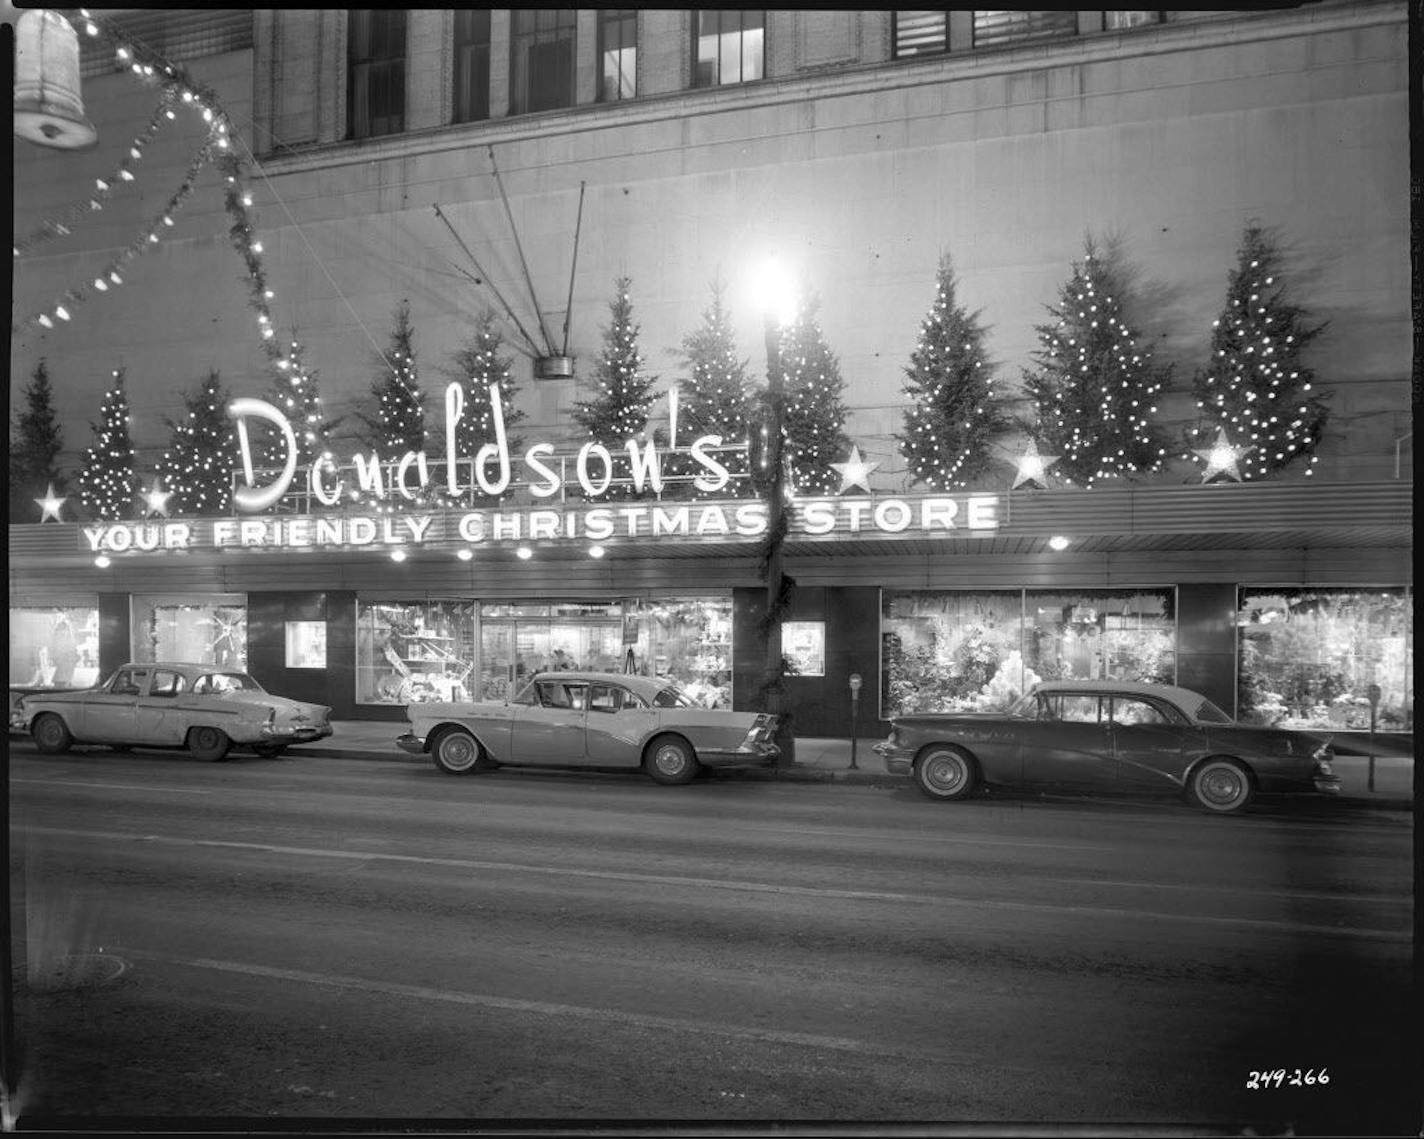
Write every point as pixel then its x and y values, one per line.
pixel 1108 736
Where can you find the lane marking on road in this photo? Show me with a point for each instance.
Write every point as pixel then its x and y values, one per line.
pixel 734 884
pixel 937 838
pixel 1401 898
pixel 513 1004
pixel 116 786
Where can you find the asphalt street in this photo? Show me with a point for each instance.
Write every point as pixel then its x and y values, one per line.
pixel 311 939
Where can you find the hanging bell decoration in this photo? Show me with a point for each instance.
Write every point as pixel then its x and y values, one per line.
pixel 48 109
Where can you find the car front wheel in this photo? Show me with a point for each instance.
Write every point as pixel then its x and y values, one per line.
pixel 51 735
pixel 670 761
pixel 208 744
pixel 1221 786
pixel 456 752
pixel 946 773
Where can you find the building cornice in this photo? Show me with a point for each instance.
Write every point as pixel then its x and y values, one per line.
pixel 855 80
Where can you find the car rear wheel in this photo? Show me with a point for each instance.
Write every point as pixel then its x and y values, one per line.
pixel 456 752
pixel 1221 786
pixel 51 735
pixel 208 744
pixel 269 751
pixel 945 773
pixel 670 761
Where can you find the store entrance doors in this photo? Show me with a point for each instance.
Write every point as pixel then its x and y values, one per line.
pixel 517 641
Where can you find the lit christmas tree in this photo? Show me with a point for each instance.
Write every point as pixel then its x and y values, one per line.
pixel 398 424
pixel 953 413
pixel 202 454
pixel 624 393
pixel 1256 388
pixel 297 394
pixel 476 365
pixel 34 449
pixel 814 416
pixel 1095 389
pixel 715 397
pixel 107 482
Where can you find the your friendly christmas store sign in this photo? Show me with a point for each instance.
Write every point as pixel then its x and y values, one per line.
pixel 396 518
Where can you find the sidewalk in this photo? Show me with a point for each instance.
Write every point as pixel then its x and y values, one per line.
pixel 828 761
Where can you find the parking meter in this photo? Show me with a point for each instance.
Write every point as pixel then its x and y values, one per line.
pixel 855 683
pixel 1372 694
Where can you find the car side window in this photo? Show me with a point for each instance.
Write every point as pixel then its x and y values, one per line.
pixel 604 698
pixel 1076 709
pixel 129 682
pixel 1129 710
pixel 167 684
pixel 553 694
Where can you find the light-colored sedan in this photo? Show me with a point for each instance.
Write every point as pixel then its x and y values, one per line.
pixel 1105 735
pixel 592 719
pixel 202 707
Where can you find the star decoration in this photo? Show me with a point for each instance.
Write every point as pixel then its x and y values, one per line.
pixel 1221 457
pixel 157 500
pixel 49 504
pixel 855 471
pixel 1033 467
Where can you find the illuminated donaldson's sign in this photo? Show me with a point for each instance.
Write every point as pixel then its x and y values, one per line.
pixel 491 473
pixel 969 515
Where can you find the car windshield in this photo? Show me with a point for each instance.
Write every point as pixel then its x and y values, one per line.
pixel 673 697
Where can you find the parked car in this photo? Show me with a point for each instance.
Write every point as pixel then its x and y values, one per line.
pixel 203 707
pixel 592 719
pixel 1108 736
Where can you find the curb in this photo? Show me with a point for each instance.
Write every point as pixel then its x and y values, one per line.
pixel 806 773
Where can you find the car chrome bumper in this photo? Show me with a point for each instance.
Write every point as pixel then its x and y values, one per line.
pixel 286 734
pixel 757 755
pixel 1327 784
pixel 898 760
pixel 412 743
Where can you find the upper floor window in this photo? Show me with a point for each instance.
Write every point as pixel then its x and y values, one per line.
pixel 920 33
pixel 472 64
pixel 731 47
pixel 994 29
pixel 541 73
pixel 375 68
pixel 617 53
pixel 1112 21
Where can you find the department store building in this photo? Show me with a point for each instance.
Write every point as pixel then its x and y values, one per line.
pixel 678 146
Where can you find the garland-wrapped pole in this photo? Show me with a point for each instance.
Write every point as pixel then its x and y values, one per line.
pixel 778 585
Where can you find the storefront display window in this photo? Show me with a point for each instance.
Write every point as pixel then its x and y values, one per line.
pixel 54 646
pixel 950 652
pixel 1101 635
pixel 414 652
pixel 962 651
pixel 306 644
pixel 803 646
pixel 1307 657
pixel 688 639
pixel 200 629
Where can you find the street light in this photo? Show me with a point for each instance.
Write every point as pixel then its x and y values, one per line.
pixel 776 298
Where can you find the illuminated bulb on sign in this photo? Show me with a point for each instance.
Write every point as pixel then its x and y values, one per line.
pixel 525 553
pixel 102 561
pixel 464 555
pixel 1058 542
pixel 596 551
pixel 397 555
